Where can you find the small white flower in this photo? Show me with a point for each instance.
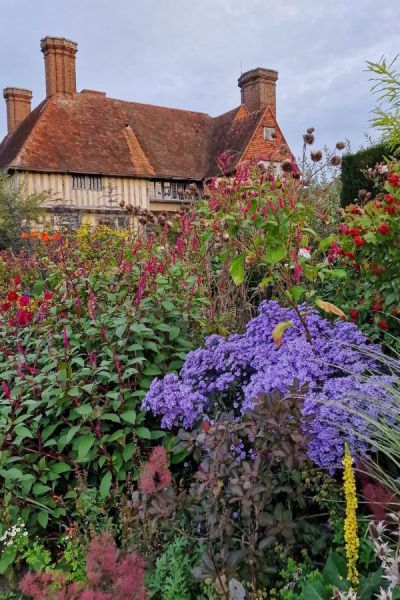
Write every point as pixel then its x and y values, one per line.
pixel 304 253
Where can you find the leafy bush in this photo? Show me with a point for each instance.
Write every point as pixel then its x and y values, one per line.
pixel 17 211
pixel 367 250
pixel 353 167
pixel 75 363
pixel 234 371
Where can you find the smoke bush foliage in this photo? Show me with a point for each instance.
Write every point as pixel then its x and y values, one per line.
pixel 234 371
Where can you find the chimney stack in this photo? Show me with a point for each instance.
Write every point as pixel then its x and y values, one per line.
pixel 18 101
pixel 258 89
pixel 59 58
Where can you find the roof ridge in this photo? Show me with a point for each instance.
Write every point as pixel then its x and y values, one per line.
pixel 181 110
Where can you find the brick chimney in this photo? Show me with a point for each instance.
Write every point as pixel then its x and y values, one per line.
pixel 258 89
pixel 18 101
pixel 59 58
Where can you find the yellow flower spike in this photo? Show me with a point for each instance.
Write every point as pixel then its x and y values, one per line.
pixel 350 524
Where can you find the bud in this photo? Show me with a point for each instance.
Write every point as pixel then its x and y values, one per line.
pixel 308 138
pixel 335 161
pixel 316 155
pixel 340 145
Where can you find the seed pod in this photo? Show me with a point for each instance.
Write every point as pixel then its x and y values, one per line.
pixel 308 138
pixel 340 145
pixel 316 155
pixel 286 166
pixel 336 161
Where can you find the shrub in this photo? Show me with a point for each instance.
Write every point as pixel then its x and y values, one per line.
pixel 109 576
pixel 234 371
pixel 353 167
pixel 78 350
pixel 367 251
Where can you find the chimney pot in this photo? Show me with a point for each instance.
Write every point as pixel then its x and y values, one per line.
pixel 59 57
pixel 18 101
pixel 258 89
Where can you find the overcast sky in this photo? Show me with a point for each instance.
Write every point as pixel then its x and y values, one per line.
pixel 189 54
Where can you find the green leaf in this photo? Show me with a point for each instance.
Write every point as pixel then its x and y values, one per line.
pixel 275 254
pixel 326 243
pixel 174 333
pixel 105 484
pixel 237 269
pixel 143 432
pixel 7 558
pixel 23 432
pixel 168 305
pixel 338 273
pixel 265 281
pixel 43 518
pixel 83 445
pixel 74 392
pixel 84 410
pixel 129 416
pixel 111 417
pixel 71 432
pixel 60 468
pixel 296 292
pixel 315 591
pixel 39 489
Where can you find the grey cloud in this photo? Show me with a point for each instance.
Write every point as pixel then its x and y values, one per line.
pixel 189 54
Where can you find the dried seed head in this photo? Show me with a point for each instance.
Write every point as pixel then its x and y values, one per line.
pixel 308 138
pixel 286 166
pixel 310 130
pixel 316 155
pixel 362 194
pixel 340 145
pixel 335 161
pixel 122 203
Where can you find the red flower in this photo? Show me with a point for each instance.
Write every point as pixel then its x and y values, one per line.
pixel 384 228
pixel 377 269
pixel 356 210
pixel 47 295
pixel 395 312
pixel 393 179
pixel 343 228
pixel 6 306
pixel 377 306
pixel 24 317
pixel 12 296
pixel 17 280
pixel 389 198
pixel 354 314
pixel 383 324
pixel 390 210
pixel 359 241
pixel 24 300
pixel 355 231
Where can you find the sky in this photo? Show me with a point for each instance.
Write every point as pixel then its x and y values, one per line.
pixel 190 53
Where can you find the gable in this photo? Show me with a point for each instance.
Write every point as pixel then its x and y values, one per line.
pixel 274 150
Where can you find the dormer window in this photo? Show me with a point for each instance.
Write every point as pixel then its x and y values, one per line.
pixel 87 182
pixel 269 133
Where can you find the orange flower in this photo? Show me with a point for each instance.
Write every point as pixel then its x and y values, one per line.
pixel 45 238
pixel 24 235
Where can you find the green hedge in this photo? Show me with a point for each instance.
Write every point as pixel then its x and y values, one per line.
pixel 352 178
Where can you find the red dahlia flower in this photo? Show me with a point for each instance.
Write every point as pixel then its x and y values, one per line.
pixel 384 228
pixel 23 300
pixel 393 179
pixel 354 314
pixel 389 198
pixel 359 241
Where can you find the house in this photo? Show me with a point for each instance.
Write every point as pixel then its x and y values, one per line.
pixel 92 153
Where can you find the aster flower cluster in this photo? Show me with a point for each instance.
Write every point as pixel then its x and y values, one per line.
pixel 234 371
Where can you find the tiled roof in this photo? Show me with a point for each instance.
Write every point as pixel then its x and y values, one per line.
pixel 90 133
